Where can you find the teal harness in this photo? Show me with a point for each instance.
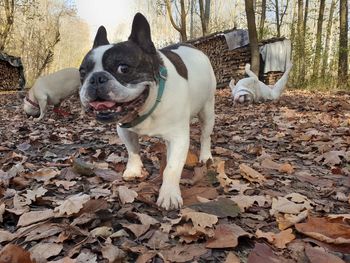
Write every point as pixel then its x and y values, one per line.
pixel 163 74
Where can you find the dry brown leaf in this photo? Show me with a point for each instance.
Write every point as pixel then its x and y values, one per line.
pixel 102 231
pixel 192 159
pixel 126 195
pixel 227 183
pixel 232 258
pixel 286 168
pixel 34 217
pixel 6 236
pixel 146 257
pixel 269 236
pixel 199 220
pixel 66 184
pixel 319 255
pixel 136 229
pixel 283 168
pixel 246 201
pixel 86 256
pixel 191 195
pixel 42 251
pixel 183 253
pixel 32 195
pixel 72 205
pixel 251 175
pixel 292 204
pixel 330 232
pixel 112 253
pixel 226 236
pixel 64 260
pixel 262 253
pixel 287 220
pixel 283 238
pixel 15 254
pixel 146 219
pixel 44 174
pixel 159 240
pixel 188 233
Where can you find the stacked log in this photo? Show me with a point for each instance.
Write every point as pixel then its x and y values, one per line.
pixel 11 73
pixel 230 64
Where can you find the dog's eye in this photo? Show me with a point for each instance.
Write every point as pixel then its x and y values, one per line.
pixel 123 69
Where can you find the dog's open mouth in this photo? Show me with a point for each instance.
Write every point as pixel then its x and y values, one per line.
pixel 110 111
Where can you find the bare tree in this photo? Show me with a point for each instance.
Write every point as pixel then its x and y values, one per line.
pixel 182 27
pixel 262 19
pixel 253 36
pixel 343 44
pixel 318 39
pixel 280 15
pixel 328 38
pixel 204 9
pixel 9 13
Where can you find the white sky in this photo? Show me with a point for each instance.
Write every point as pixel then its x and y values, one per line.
pixel 109 13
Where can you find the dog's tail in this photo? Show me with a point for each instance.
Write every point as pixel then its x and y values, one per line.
pixel 249 72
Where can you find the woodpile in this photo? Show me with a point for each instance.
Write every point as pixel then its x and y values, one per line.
pixel 11 73
pixel 229 64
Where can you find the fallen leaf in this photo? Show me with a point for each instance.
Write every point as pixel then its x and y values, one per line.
pixel 6 236
pixel 251 175
pixel 184 253
pixel 269 236
pixel 226 236
pixel 66 184
pixel 159 240
pixel 44 174
pixel 223 207
pixel 330 232
pixel 232 258
pixel 72 205
pixel 190 195
pixel 262 253
pixel 283 238
pixel 246 201
pixel 287 220
pixel 86 256
pixel 192 159
pixel 199 220
pixel 291 204
pixel 136 229
pixel 146 219
pixel 126 195
pixel 2 211
pixel 112 253
pixel 34 217
pixel 15 254
pixel 102 231
pixel 286 168
pixel 319 255
pixel 43 251
pixel 32 195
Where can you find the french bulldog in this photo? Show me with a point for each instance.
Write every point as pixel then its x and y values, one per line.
pixel 251 89
pixel 51 90
pixel 151 92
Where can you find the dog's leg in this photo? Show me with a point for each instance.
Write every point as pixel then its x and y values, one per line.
pixel 134 165
pixel 42 104
pixel 169 193
pixel 206 118
pixel 280 85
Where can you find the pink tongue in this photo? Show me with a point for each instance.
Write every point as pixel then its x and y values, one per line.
pixel 102 105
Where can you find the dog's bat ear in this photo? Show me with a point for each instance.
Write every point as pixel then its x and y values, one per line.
pixel 101 37
pixel 141 34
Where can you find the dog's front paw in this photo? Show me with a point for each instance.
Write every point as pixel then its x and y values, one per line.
pixel 170 197
pixel 132 174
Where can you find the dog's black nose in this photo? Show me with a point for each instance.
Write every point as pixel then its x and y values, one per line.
pixel 98 78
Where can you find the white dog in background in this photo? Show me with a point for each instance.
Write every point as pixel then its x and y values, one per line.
pixel 51 90
pixel 251 89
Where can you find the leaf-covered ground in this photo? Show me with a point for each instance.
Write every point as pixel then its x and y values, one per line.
pixel 276 191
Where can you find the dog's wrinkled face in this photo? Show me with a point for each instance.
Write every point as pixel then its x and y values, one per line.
pixel 116 78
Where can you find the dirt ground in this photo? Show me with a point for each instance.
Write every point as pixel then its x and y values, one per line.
pixel 278 189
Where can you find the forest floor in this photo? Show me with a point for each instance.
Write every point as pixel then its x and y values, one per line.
pixel 278 189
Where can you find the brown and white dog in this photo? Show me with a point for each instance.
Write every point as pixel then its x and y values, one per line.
pixel 251 89
pixel 51 90
pixel 151 92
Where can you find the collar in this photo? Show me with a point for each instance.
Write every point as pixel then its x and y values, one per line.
pixel 31 102
pixel 163 73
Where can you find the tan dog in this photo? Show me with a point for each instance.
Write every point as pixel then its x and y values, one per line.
pixel 51 90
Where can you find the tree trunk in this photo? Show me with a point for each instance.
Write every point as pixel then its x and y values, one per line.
pixel 192 19
pixel 9 13
pixel 306 16
pixel 301 41
pixel 182 28
pixel 262 19
pixel 277 14
pixel 253 36
pixel 343 44
pixel 328 38
pixel 316 66
pixel 204 9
